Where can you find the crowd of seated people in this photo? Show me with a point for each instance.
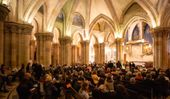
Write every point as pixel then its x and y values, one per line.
pixel 7 75
pixel 94 81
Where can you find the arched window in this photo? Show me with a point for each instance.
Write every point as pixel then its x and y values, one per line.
pixel 147 34
pixel 135 34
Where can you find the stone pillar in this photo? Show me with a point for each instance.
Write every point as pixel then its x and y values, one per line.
pixel 160 35
pixel 85 52
pixel 65 50
pixel 32 50
pixel 11 43
pixel 55 58
pixel 24 44
pixel 96 53
pixel 168 50
pixel 44 48
pixel 102 53
pixel 3 12
pixel 119 49
pixel 74 54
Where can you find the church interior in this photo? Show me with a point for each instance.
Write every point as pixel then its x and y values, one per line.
pixel 63 33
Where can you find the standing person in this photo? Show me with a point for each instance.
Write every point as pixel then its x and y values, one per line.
pixel 119 65
pixel 21 73
pixel 28 67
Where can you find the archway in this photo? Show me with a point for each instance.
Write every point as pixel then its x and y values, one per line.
pixel 76 48
pixel 110 48
pixel 138 43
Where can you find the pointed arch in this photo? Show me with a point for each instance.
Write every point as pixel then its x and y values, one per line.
pixel 147 7
pixel 106 19
pixel 96 40
pixel 132 21
pixel 107 36
pixel 151 11
pixel 54 14
pixel 75 34
pixel 31 11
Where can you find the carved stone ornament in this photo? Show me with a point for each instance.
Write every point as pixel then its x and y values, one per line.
pixel 3 12
pixel 44 36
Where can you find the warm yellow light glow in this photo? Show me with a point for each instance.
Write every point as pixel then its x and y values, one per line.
pixel 143 40
pixel 29 20
pixel 118 35
pixel 154 24
pixel 5 2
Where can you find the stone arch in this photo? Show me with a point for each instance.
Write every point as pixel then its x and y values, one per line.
pixel 132 21
pixel 106 19
pixel 141 11
pixel 152 13
pixel 107 36
pixel 56 36
pixel 35 28
pixel 32 9
pixel 165 17
pixel 96 40
pixel 54 14
pixel 74 37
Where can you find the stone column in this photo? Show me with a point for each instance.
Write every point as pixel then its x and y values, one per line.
pixel 65 50
pixel 11 43
pixel 96 53
pixel 74 54
pixel 85 52
pixel 55 54
pixel 102 53
pixel 3 13
pixel 160 35
pixel 168 50
pixel 24 44
pixel 32 50
pixel 44 47
pixel 119 49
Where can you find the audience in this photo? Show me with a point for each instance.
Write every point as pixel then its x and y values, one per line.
pixel 93 81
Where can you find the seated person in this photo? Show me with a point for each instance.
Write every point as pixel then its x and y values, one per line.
pixel 4 78
pixel 27 87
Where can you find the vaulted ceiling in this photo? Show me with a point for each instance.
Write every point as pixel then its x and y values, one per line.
pixel 120 13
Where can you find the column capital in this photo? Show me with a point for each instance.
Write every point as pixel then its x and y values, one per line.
pixel 119 39
pixel 55 45
pixel 47 36
pixel 65 40
pixel 159 29
pixel 3 12
pixel 26 28
pixel 85 42
pixel 96 45
pixel 11 27
pixel 74 45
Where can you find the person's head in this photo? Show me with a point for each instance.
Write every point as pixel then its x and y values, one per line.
pixel 109 79
pixel 48 77
pixel 27 76
pixel 85 86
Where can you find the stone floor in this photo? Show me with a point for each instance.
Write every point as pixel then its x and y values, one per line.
pixel 12 91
